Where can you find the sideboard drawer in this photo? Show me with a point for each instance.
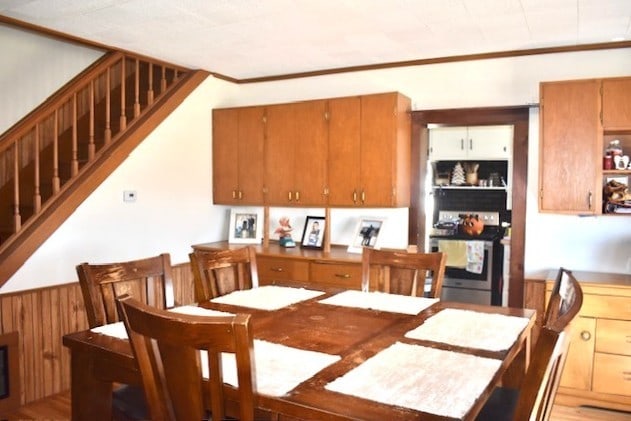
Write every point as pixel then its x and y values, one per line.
pixel 612 374
pixel 606 306
pixel 337 275
pixel 613 337
pixel 272 269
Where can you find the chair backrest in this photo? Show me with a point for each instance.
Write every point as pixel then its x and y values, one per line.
pixel 219 272
pixel 542 379
pixel 565 301
pixel 400 272
pixel 149 280
pixel 167 347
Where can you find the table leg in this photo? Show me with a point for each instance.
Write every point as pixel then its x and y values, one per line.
pixel 91 397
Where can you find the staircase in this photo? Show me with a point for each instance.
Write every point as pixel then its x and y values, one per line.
pixel 57 155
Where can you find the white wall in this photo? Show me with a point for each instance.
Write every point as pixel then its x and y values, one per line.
pixel 24 81
pixel 171 170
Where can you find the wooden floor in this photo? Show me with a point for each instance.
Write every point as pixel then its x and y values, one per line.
pixel 58 408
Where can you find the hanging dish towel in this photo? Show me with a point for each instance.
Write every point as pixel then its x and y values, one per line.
pixel 456 252
pixel 475 256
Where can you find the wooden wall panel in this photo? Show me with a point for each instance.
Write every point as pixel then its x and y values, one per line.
pixel 42 316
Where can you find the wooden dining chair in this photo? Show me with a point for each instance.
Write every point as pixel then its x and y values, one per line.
pixel 400 272
pixel 535 398
pixel 149 280
pixel 219 272
pixel 166 346
pixel 565 301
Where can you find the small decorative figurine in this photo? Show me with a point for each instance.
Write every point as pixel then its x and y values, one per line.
pixel 284 233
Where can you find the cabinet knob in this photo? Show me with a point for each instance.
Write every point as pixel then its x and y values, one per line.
pixel 363 196
pixel 297 196
pixel 354 196
pixel 586 335
pixel 240 194
pixel 342 275
pixel 234 194
pixel 289 196
pixel 276 269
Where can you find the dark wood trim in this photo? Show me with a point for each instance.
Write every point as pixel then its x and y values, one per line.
pixel 518 116
pixel 348 69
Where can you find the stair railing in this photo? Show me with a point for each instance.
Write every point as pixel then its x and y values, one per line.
pixel 47 148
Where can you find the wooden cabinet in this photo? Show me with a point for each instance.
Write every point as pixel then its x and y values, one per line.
pixel 295 154
pixel 309 268
pixel 471 143
pixel 384 153
pixel 570 147
pixel 344 145
pixel 369 151
pixel 597 370
pixel 238 138
pixel 616 103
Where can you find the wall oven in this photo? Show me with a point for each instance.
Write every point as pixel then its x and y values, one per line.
pixel 461 283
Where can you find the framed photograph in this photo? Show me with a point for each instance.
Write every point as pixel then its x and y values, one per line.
pixel 313 234
pixel 366 234
pixel 246 226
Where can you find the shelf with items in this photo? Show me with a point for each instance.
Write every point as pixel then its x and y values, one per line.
pixel 615 172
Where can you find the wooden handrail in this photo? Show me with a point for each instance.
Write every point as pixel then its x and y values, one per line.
pixel 72 127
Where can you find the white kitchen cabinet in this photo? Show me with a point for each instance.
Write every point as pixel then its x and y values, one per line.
pixel 471 143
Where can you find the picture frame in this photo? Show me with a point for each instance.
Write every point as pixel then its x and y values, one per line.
pixel 366 234
pixel 246 226
pixel 313 232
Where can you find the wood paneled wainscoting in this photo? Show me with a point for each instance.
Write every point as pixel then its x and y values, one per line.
pixel 42 316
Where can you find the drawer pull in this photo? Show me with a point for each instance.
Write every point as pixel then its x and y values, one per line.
pixel 342 275
pixel 276 269
pixel 629 339
pixel 585 335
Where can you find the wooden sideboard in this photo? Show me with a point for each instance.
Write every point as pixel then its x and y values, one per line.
pixel 598 367
pixel 337 269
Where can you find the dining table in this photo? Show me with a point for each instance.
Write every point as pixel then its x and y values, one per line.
pixel 339 355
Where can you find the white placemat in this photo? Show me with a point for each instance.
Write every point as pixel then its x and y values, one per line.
pixel 381 301
pixel 269 297
pixel 118 330
pixel 431 380
pixel 279 368
pixel 471 329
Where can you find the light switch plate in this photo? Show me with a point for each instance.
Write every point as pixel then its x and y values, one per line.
pixel 129 196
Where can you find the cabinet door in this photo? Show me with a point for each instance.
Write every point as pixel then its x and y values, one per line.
pixel 385 150
pixel 310 153
pixel 251 146
pixel 225 156
pixel 616 100
pixel 489 142
pixel 279 154
pixel 570 147
pixel 577 372
pixel 447 143
pixel 344 148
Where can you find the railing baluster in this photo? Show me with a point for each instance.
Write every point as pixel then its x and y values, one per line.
pixel 163 81
pixel 150 90
pixel 37 197
pixel 56 154
pixel 91 146
pixel 74 168
pixel 123 77
pixel 108 128
pixel 137 90
pixel 17 218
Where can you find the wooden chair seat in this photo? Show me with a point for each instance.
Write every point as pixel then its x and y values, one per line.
pixel 400 272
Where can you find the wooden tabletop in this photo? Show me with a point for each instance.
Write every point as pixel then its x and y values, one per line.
pixel 352 333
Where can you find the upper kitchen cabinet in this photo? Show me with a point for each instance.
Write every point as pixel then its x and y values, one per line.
pixel 296 154
pixel 385 150
pixel 344 116
pixel 570 148
pixel 238 139
pixel 616 103
pixel 369 151
pixel 471 143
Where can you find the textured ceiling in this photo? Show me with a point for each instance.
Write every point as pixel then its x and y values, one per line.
pixel 258 38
